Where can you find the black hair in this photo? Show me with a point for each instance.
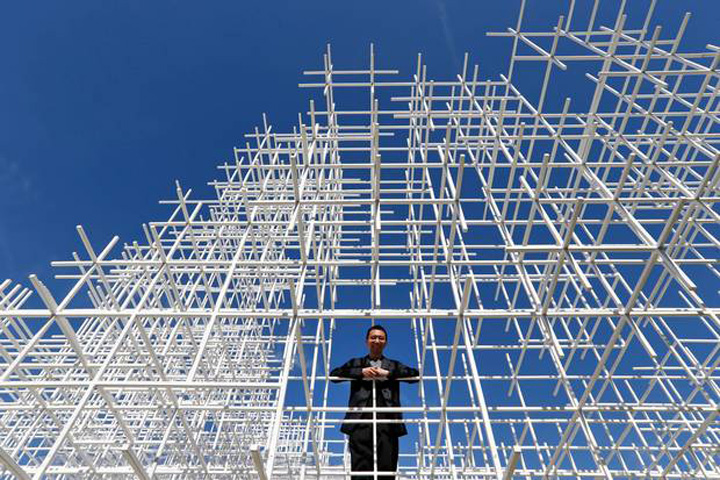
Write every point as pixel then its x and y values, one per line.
pixel 376 327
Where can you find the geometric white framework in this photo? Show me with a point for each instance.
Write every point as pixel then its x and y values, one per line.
pixel 556 269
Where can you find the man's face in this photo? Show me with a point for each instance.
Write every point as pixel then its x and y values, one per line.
pixel 376 342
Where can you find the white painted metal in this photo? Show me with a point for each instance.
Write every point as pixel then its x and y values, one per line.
pixel 561 269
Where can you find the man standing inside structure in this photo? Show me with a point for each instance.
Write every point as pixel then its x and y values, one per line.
pixel 374 372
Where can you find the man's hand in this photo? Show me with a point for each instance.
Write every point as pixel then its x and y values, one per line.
pixel 374 372
pixel 369 372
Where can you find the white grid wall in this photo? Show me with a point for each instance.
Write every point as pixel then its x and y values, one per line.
pixel 556 269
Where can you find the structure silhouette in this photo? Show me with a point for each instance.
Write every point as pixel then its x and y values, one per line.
pixel 557 269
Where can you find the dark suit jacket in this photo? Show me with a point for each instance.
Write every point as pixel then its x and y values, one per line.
pixel 387 391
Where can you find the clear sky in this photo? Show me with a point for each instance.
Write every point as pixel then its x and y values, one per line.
pixel 104 104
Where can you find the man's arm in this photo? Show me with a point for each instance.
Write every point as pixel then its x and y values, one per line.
pixel 350 370
pixel 402 371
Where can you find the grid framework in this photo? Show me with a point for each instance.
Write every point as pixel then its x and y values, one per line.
pixel 557 270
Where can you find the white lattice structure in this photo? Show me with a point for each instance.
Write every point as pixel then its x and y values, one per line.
pixel 557 270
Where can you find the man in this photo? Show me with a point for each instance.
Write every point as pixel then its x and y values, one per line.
pixel 384 374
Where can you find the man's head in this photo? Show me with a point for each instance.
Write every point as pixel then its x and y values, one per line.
pixel 376 339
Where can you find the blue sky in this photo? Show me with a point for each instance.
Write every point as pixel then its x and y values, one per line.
pixel 105 104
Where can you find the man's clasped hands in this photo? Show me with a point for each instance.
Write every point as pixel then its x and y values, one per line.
pixel 376 373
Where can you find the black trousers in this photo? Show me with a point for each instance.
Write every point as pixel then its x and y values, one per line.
pixel 361 451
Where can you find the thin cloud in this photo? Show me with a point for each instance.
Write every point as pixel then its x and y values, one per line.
pixel 15 185
pixel 447 33
pixel 16 188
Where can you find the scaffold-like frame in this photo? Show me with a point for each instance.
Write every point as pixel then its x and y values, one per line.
pixel 556 269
